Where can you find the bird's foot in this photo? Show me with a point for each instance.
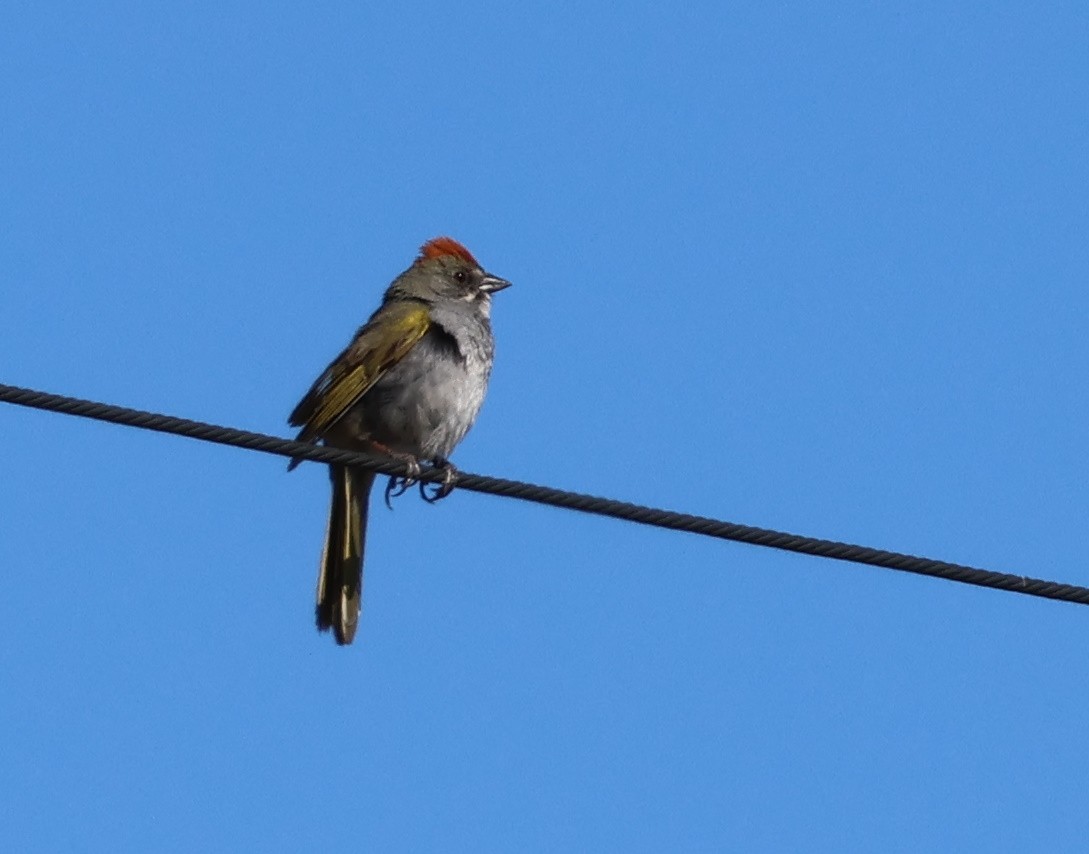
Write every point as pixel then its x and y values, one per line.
pixel 398 485
pixel 439 490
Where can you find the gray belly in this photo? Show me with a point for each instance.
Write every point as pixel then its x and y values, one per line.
pixel 426 403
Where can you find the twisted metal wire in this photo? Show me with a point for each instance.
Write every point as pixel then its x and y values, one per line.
pixel 548 495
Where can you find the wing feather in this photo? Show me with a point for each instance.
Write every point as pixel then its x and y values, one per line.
pixel 382 342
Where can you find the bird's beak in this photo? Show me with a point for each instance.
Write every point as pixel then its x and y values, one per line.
pixel 490 284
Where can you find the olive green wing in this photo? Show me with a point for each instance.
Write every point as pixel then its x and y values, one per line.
pixel 385 339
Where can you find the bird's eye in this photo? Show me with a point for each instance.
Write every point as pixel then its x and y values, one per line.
pixel 460 276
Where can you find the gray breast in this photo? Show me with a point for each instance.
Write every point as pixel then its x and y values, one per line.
pixel 426 403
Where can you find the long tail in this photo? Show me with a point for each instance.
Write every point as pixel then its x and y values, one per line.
pixel 340 578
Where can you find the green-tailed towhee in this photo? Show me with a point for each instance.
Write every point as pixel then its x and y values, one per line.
pixel 410 384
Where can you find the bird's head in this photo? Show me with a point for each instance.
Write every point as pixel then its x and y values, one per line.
pixel 447 271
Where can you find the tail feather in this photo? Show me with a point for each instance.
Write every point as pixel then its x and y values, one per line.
pixel 340 577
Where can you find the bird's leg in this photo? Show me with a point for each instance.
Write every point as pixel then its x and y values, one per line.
pixel 397 484
pixel 440 490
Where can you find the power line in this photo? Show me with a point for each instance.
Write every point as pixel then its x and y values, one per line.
pixel 548 495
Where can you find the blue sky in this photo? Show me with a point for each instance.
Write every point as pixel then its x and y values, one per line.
pixel 818 267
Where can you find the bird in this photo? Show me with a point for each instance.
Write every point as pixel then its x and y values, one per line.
pixel 409 385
